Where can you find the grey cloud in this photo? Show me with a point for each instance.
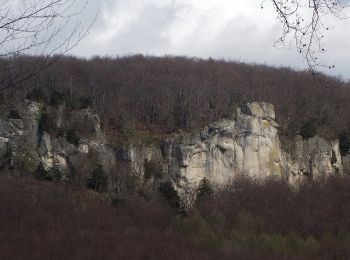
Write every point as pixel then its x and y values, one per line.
pixel 155 26
pixel 145 33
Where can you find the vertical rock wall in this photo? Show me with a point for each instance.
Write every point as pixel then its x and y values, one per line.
pixel 248 145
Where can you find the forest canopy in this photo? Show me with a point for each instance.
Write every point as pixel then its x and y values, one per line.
pixel 161 95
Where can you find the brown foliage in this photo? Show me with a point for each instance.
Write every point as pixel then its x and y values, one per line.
pixel 312 209
pixel 40 220
pixel 247 220
pixel 168 93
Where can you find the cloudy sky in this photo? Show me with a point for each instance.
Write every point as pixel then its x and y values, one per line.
pixel 231 29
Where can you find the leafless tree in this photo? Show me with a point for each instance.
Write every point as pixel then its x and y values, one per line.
pixel 304 26
pixel 46 29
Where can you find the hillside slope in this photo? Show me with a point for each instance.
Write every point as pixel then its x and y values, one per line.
pixel 162 94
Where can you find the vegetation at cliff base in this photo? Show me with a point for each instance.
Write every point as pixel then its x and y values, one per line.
pixel 246 220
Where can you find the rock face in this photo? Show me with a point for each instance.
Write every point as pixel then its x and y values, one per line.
pixel 315 157
pixel 68 142
pixel 248 145
pixel 60 140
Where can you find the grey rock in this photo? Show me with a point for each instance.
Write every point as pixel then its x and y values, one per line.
pixel 248 145
pixel 219 152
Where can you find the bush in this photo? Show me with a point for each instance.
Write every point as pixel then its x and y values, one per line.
pixel 85 102
pixel 116 202
pixel 55 174
pixel 74 103
pixel 13 114
pixel 344 143
pixel 37 94
pixel 170 194
pixel 308 130
pixel 153 169
pixel 47 175
pixel 57 98
pixel 45 124
pixel 246 222
pixel 198 230
pixel 204 190
pixel 72 137
pixel 98 179
pixel 41 173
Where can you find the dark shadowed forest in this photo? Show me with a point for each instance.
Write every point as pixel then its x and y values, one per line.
pixel 246 220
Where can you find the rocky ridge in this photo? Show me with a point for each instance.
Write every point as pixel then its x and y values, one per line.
pixel 64 142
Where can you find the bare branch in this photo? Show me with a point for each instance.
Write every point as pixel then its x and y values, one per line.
pixel 303 26
pixel 42 28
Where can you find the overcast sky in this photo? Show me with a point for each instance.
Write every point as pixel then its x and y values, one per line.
pixel 231 29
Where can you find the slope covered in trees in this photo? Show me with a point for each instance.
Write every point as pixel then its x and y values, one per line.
pixel 135 95
pixel 163 94
pixel 246 220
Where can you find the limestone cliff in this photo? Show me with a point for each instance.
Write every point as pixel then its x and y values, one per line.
pixel 248 145
pixel 60 140
pixel 71 142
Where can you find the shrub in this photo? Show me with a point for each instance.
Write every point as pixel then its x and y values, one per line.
pixel 232 110
pixel 311 246
pixel 72 137
pixel 72 103
pixel 153 169
pixel 75 102
pixel 126 125
pixel 344 143
pixel 170 194
pixel 85 102
pixel 246 222
pixel 98 179
pixel 41 173
pixel 57 98
pixel 45 124
pixel 116 202
pixel 47 175
pixel 198 230
pixel 55 174
pixel 308 130
pixel 37 94
pixel 204 190
pixel 13 114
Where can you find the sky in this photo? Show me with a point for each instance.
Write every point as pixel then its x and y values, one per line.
pixel 230 29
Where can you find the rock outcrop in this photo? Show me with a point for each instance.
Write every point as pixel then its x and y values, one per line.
pixel 314 157
pixel 248 145
pixel 34 134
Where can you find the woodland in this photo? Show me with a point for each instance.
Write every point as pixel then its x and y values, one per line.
pixel 142 99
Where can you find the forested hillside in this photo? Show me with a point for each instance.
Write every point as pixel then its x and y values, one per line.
pixel 247 220
pixel 159 95
pixel 93 200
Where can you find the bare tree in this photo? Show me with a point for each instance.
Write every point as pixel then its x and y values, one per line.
pixel 46 29
pixel 304 26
